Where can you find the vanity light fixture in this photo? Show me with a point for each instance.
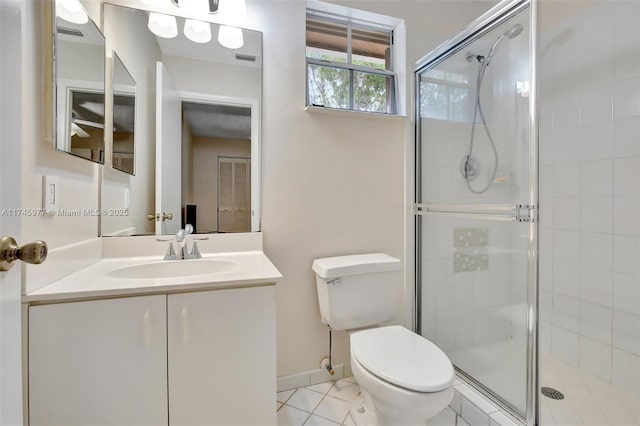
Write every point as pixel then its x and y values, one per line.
pixel 230 37
pixel 200 31
pixel 71 11
pixel 197 31
pixel 163 25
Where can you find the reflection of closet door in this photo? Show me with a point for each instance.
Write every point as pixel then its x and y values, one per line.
pixel 234 194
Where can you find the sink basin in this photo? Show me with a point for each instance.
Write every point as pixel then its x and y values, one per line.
pixel 173 269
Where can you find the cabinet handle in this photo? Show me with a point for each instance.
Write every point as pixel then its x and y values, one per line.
pixel 184 325
pixel 146 327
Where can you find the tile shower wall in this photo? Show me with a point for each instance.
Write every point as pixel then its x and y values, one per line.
pixel 590 187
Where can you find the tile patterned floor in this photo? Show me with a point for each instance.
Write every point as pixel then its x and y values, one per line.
pixel 588 401
pixel 325 404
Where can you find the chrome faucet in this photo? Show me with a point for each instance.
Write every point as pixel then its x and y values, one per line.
pixel 182 240
pixel 194 253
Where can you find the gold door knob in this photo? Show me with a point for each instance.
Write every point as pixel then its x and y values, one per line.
pixel 151 216
pixel 35 252
pixel 167 216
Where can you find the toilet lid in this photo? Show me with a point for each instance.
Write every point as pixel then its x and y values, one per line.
pixel 403 358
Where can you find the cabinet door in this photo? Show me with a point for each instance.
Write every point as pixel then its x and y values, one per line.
pixel 222 357
pixel 98 363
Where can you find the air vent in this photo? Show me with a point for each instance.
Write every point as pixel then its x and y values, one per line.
pixel 70 31
pixel 248 58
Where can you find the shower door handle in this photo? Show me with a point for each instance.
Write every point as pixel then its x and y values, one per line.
pixel 502 212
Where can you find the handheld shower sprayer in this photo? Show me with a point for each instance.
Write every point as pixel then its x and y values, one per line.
pixel 470 165
pixel 513 32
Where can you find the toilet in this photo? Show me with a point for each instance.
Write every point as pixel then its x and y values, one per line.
pixel 404 379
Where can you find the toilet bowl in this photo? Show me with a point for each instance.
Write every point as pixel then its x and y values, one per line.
pixel 404 379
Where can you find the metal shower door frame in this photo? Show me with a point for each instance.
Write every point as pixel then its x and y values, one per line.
pixel 500 13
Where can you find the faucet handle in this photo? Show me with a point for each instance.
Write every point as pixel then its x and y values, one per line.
pixel 188 229
pixel 195 253
pixel 180 235
pixel 171 253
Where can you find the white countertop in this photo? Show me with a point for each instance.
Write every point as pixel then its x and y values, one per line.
pixel 252 268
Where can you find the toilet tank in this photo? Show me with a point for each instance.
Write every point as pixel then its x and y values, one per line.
pixel 359 290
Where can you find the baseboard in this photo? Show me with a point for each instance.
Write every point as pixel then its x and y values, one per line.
pixel 313 377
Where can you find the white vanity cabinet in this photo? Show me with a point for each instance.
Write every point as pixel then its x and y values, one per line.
pixel 100 362
pixel 222 357
pixel 198 358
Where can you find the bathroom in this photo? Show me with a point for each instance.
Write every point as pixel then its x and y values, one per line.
pixel 343 183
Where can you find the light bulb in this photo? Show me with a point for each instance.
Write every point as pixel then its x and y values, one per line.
pixel 163 25
pixel 71 11
pixel 230 37
pixel 197 31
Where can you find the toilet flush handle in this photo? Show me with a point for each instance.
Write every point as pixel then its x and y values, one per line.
pixel 334 281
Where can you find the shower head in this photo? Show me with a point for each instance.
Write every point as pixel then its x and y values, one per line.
pixel 514 31
pixel 511 33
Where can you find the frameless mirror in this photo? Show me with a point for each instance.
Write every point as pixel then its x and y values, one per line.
pixel 124 114
pixel 197 128
pixel 79 52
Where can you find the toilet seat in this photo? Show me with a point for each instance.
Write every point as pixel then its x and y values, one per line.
pixel 403 358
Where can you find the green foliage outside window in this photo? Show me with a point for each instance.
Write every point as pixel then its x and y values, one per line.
pixel 329 87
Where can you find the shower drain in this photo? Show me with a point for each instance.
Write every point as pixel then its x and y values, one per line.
pixel 552 393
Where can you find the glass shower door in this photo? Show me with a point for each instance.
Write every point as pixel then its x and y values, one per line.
pixel 475 223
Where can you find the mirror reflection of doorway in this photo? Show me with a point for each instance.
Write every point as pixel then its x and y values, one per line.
pixel 234 194
pixel 216 156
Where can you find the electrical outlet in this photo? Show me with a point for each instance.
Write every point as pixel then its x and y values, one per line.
pixel 50 194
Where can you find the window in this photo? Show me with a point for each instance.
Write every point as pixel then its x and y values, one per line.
pixel 349 64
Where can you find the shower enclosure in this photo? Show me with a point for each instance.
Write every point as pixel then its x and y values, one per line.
pixel 533 283
pixel 476 202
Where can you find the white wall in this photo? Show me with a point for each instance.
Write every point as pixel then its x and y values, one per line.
pixel 80 61
pixel 589 188
pixel 213 78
